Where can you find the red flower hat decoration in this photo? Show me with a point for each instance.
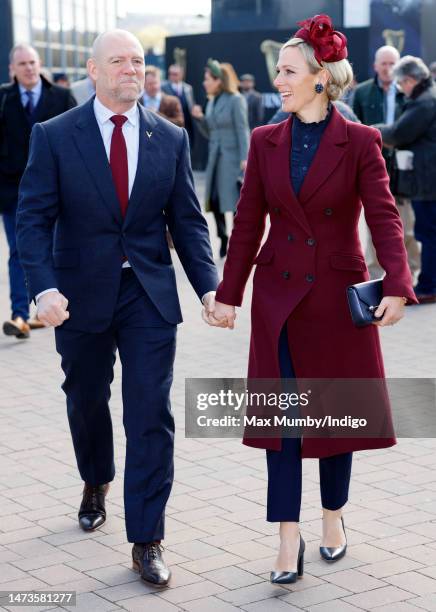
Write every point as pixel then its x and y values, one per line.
pixel 329 44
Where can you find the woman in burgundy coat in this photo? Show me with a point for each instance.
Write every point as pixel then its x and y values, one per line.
pixel 311 174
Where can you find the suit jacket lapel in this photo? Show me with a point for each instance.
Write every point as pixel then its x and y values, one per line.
pixel 41 110
pixel 150 146
pixel 329 154
pixel 90 144
pixel 279 170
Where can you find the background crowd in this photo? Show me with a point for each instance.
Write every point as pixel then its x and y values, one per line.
pixel 400 100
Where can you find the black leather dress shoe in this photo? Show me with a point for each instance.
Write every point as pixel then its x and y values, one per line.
pixel 92 511
pixel 148 561
pixel 334 553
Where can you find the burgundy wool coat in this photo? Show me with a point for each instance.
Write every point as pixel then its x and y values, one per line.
pixel 312 253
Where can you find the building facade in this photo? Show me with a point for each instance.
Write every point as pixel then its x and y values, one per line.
pixel 61 30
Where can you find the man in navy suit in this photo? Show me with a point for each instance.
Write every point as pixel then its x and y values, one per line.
pixel 103 183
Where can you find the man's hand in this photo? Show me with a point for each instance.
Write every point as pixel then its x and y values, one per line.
pixel 209 307
pixel 392 309
pixel 52 309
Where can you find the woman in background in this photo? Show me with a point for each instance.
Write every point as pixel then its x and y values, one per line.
pixel 225 124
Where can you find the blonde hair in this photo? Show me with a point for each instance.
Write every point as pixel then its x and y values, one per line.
pixel 341 73
pixel 229 79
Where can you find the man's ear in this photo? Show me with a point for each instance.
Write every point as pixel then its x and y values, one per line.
pixel 91 66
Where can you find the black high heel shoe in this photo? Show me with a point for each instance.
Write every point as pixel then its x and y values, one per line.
pixel 289 577
pixel 333 553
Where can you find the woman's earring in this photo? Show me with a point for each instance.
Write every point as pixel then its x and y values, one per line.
pixel 319 88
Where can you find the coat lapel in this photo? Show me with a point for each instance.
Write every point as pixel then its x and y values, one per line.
pixel 280 172
pixel 150 146
pixel 330 152
pixel 90 144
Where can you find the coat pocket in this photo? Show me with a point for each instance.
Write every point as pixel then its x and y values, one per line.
pixel 265 256
pixel 341 261
pixel 66 258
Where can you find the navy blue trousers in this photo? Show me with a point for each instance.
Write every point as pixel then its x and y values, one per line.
pixel 146 344
pixel 285 466
pixel 425 232
pixel 17 285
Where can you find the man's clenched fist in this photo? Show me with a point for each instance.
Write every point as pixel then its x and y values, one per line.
pixel 52 309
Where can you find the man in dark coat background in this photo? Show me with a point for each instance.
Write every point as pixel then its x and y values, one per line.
pixel 30 98
pixel 378 100
pixel 176 86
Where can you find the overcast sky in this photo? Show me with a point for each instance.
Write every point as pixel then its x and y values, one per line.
pixel 188 7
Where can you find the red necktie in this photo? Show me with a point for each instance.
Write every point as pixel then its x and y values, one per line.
pixel 118 162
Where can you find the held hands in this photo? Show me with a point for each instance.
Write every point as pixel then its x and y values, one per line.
pixel 392 310
pixel 52 309
pixel 216 314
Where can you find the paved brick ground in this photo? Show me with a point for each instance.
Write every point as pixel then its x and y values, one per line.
pixel 218 543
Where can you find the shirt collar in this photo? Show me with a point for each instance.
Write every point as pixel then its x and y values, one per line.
pixel 156 99
pixel 36 90
pixel 103 113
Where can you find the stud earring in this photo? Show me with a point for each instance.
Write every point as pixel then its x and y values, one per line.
pixel 319 88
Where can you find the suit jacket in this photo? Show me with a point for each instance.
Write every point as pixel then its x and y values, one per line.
pixel 312 253
pixel 255 108
pixel 368 102
pixel 71 234
pixel 188 93
pixel 15 131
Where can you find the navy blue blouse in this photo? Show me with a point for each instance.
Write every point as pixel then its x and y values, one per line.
pixel 305 141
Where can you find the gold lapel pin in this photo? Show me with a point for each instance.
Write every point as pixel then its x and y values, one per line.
pixel 149 134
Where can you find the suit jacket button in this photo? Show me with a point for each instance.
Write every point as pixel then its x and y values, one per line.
pixel 276 209
pixel 309 278
pixel 311 241
pixel 286 274
pixel 290 237
pixel 328 211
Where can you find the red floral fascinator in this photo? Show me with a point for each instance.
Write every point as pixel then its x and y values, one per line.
pixel 329 44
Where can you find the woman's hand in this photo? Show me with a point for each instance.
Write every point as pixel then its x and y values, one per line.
pixel 243 165
pixel 392 309
pixel 222 315
pixel 197 112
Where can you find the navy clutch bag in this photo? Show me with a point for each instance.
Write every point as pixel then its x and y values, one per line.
pixel 363 299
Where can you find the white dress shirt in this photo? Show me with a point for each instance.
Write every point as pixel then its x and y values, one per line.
pixel 131 136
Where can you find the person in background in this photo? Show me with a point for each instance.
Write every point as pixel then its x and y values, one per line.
pixel 378 100
pixel 155 100
pixel 29 99
pixel 61 79
pixel 83 90
pixel 254 100
pixel 225 124
pixel 432 68
pixel 415 131
pixel 176 86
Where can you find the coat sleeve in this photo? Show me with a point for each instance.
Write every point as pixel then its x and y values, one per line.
pixel 188 227
pixel 71 101
pixel 384 220
pixel 248 230
pixel 240 123
pixel 412 124
pixel 38 208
